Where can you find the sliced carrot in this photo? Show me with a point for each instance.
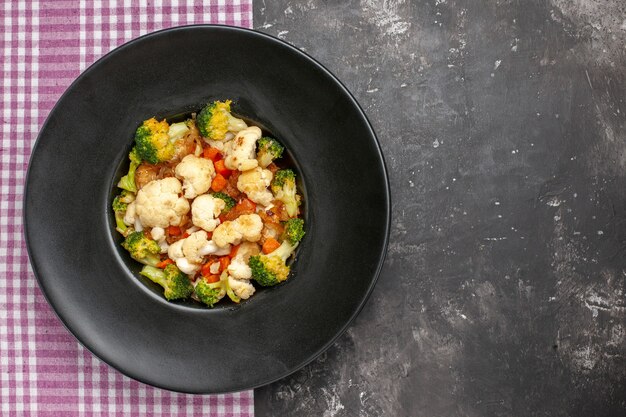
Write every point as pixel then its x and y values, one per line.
pixel 211 153
pixel 164 263
pixel 219 182
pixel 246 206
pixel 270 245
pixel 233 251
pixel 220 168
pixel 185 235
pixel 173 230
pixel 224 262
pixel 209 235
pixel 212 278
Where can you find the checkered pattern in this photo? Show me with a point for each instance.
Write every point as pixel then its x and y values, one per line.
pixel 45 44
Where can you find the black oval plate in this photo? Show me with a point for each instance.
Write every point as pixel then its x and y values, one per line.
pixel 88 279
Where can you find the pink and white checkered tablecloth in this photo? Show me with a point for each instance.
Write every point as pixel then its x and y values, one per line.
pixel 45 45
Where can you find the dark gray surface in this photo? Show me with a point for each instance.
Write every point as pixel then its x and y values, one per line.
pixel 504 128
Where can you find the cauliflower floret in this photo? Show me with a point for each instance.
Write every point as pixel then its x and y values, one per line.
pixel 212 249
pixel 226 233
pixel 245 227
pixel 250 226
pixel 196 173
pixel 240 152
pixel 204 211
pixel 158 234
pixel 242 289
pixel 193 246
pixel 238 267
pixel 158 204
pixel 188 253
pixel 175 252
pixel 187 267
pixel 164 246
pixel 214 268
pixel 131 215
pixel 254 184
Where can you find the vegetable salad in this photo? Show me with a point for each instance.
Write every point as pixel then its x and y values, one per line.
pixel 205 207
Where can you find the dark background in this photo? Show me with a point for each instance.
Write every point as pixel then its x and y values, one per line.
pixel 503 125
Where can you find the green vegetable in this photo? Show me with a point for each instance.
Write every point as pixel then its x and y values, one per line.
pixel 294 231
pixel 127 182
pixel 142 248
pixel 215 120
pixel 230 202
pixel 209 294
pixel 175 284
pixel 268 149
pixel 152 141
pixel 120 205
pixel 283 187
pixel 271 269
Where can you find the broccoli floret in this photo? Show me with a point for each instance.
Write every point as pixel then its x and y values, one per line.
pixel 120 204
pixel 284 177
pixel 294 231
pixel 127 182
pixel 209 294
pixel 176 285
pixel 142 248
pixel 284 188
pixel 152 141
pixel 230 202
pixel 215 120
pixel 119 209
pixel 268 149
pixel 271 269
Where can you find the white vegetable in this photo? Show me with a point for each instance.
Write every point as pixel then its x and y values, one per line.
pixel 238 267
pixel 158 234
pixel 217 144
pixel 214 268
pixel 245 227
pixel 196 173
pixel 193 245
pixel 177 131
pixel 205 211
pixel 254 184
pixel 241 151
pixel 175 250
pixel 188 253
pixel 130 215
pixel 242 289
pixel 212 249
pixel 192 229
pixel 187 267
pixel 158 203
pixel 164 246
